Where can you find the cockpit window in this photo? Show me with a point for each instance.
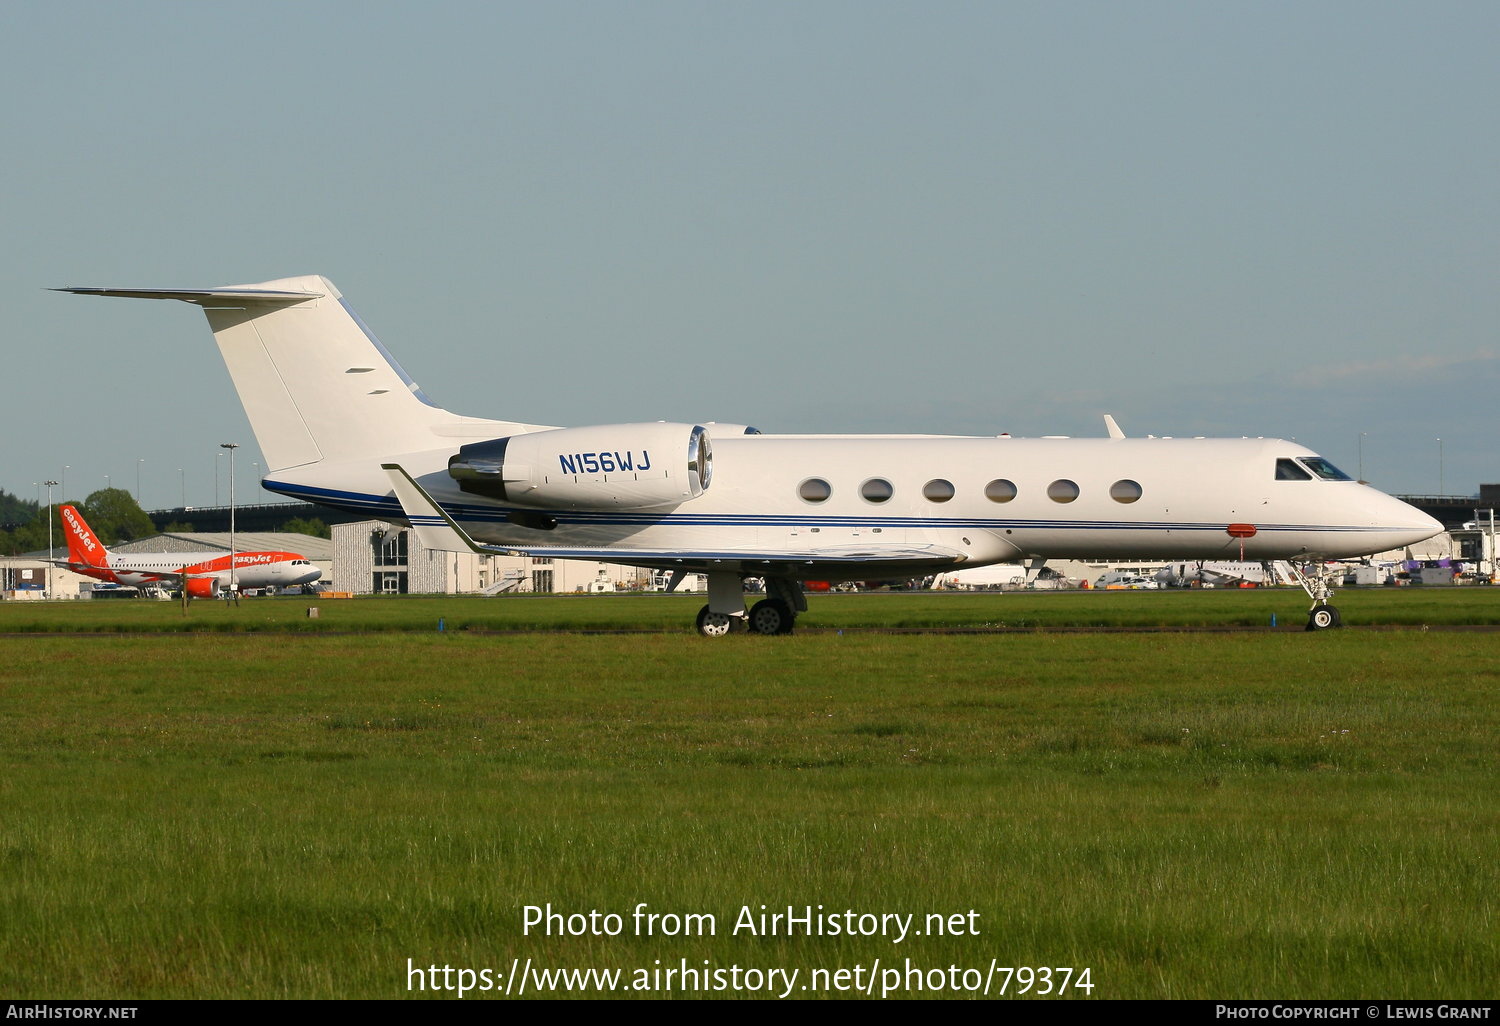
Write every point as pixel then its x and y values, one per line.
pixel 1323 469
pixel 1287 470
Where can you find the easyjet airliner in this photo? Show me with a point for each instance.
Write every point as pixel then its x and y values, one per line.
pixel 202 574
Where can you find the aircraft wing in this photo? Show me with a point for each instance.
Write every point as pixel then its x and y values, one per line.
pixel 174 574
pixel 435 529
pixel 155 575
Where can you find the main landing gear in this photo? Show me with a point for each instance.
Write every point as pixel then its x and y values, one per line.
pixel 725 612
pixel 1321 616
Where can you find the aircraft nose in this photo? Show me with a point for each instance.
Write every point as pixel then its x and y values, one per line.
pixel 1413 525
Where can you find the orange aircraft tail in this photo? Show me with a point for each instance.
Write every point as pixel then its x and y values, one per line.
pixel 83 547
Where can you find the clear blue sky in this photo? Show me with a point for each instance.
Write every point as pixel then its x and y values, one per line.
pixel 1205 218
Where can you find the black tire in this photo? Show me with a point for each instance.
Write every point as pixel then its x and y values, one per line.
pixel 1323 618
pixel 771 616
pixel 714 625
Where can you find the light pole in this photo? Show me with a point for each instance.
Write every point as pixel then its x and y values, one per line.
pixel 47 590
pixel 231 446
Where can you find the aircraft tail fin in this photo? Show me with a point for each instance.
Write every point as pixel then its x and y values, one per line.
pixel 83 547
pixel 314 380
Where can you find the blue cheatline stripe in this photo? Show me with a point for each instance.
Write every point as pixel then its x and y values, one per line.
pixel 360 502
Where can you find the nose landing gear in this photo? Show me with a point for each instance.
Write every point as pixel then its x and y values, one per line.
pixel 1321 616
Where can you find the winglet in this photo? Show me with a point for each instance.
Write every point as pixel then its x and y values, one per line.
pixel 435 529
pixel 1112 427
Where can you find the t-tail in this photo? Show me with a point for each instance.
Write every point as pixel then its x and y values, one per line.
pixel 316 384
pixel 83 547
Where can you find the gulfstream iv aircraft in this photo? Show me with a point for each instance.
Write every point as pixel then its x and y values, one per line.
pixel 340 423
pixel 199 574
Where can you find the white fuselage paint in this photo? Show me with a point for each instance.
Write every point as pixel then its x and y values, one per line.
pixel 1191 490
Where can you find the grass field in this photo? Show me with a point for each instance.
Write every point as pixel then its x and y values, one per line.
pixel 1261 815
pixel 1176 608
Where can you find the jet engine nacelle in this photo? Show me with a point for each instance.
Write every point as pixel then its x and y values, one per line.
pixel 617 466
pixel 202 587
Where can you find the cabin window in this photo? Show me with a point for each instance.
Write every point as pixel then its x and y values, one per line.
pixel 1000 490
pixel 1125 491
pixel 814 489
pixel 1323 469
pixel 938 490
pixel 1287 470
pixel 877 489
pixel 1062 490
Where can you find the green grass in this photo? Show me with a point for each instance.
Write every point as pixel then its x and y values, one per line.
pixel 1266 815
pixel 1257 607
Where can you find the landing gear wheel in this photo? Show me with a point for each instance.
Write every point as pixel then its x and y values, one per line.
pixel 714 625
pixel 1324 617
pixel 771 616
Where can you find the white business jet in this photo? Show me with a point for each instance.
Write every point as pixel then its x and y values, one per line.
pixel 340 423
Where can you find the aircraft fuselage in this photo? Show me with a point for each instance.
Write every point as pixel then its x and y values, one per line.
pixel 991 499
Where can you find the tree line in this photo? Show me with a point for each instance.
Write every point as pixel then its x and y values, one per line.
pixel 113 514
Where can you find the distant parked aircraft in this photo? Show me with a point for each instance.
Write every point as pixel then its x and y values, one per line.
pixel 200 574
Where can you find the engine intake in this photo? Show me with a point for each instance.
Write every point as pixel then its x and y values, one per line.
pixel 617 466
pixel 202 587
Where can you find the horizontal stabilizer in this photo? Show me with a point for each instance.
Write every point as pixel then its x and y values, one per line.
pixel 203 297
